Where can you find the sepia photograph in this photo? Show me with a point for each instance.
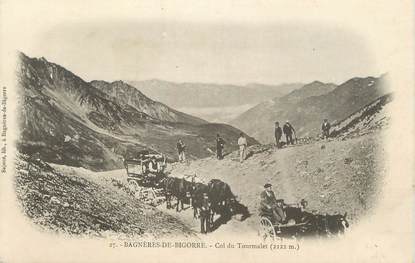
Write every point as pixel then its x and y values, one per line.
pixel 257 136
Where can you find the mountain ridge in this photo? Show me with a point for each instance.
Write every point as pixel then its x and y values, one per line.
pixel 176 94
pixel 306 111
pixel 373 116
pixel 66 120
pixel 126 94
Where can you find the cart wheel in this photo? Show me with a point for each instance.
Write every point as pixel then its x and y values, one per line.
pixel 147 195
pixel 151 196
pixel 267 229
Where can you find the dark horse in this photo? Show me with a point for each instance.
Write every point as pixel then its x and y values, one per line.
pixel 316 224
pixel 198 189
pixel 224 202
pixel 179 188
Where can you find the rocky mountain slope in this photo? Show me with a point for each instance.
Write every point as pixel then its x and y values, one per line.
pixel 371 117
pixel 78 204
pixel 124 94
pixel 259 120
pixel 210 95
pixel 68 121
pixel 307 108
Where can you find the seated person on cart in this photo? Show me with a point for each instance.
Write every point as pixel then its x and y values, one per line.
pixel 272 207
pixel 154 169
pixel 153 166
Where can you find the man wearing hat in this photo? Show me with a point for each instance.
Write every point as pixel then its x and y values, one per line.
pixel 278 134
pixel 205 210
pixel 325 127
pixel 271 206
pixel 288 130
pixel 220 143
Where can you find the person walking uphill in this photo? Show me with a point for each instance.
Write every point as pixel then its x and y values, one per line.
pixel 278 134
pixel 288 130
pixel 181 149
pixel 220 143
pixel 242 147
pixel 325 127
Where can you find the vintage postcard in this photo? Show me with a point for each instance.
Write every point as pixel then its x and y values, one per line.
pixel 224 131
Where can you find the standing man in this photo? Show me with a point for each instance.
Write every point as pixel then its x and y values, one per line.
pixel 278 134
pixel 181 148
pixel 205 214
pixel 220 143
pixel 242 147
pixel 288 131
pixel 326 129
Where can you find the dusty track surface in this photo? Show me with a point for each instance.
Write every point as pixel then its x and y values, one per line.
pixel 333 176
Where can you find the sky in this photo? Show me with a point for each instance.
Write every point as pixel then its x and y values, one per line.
pixel 235 53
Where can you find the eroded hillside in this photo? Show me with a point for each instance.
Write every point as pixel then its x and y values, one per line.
pixel 66 120
pixel 78 204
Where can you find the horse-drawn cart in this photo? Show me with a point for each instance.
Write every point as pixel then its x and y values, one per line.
pixel 143 179
pixel 302 224
pixel 274 231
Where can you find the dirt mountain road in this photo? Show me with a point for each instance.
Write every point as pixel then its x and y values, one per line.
pixel 333 176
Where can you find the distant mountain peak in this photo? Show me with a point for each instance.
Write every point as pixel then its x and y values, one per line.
pixel 308 106
pixel 209 95
pixel 124 93
pixel 316 82
pixel 96 124
pixel 119 82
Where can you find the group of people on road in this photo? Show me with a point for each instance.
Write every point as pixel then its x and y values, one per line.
pixel 288 130
pixel 242 143
pixel 220 145
pixel 269 204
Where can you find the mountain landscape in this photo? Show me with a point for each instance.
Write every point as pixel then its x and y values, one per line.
pixel 69 121
pixel 306 107
pixel 74 135
pixel 212 102
pixel 340 175
pixel 124 94
pixel 177 95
